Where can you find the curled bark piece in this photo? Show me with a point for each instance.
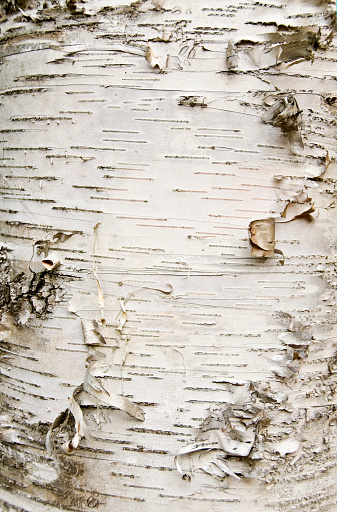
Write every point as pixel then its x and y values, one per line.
pixel 232 56
pixel 80 427
pixel 91 333
pixel 93 386
pixel 294 211
pixel 39 247
pixel 51 262
pixel 327 161
pixel 60 421
pixel 100 296
pixel 30 16
pixel 152 58
pixel 300 205
pixel 214 467
pixel 220 463
pixel 192 101
pixel 262 237
pixel 166 292
pixel 295 142
pixel 60 236
pixel 235 447
pixel 186 450
pixel 285 114
pixel 121 318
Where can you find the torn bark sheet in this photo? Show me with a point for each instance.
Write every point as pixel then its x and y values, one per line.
pixel 283 112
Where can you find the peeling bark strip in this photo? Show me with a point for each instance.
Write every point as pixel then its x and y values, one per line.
pixel 139 140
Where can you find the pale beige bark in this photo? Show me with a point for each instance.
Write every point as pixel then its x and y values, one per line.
pixel 138 145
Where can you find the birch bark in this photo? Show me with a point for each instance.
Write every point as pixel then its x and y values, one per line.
pixel 139 142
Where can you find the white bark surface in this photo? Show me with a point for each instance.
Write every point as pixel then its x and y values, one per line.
pixel 139 198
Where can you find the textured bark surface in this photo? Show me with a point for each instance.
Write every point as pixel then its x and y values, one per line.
pixel 139 143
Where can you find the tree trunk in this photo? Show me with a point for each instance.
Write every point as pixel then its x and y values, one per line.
pixel 168 256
